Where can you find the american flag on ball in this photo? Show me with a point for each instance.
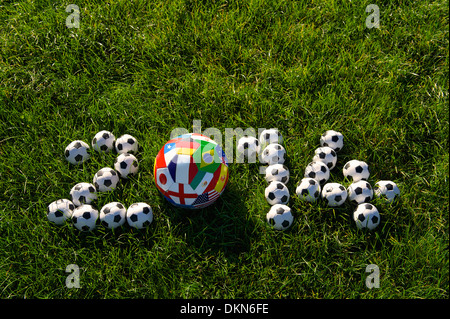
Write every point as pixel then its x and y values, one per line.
pixel 191 171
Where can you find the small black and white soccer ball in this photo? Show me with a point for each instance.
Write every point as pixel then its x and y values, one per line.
pixel 59 211
pixel 387 190
pixel 360 192
pixel 139 215
pixel 277 173
pixel 113 215
pixel 327 155
pixel 126 165
pixel 332 139
pixel 277 193
pixel 334 193
pixel 270 136
pixel 273 154
pixel 77 152
pixel 85 217
pixel 103 141
pixel 106 179
pixel 126 144
pixel 280 217
pixel 83 193
pixel 355 170
pixel 308 190
pixel 319 171
pixel 366 216
pixel 248 147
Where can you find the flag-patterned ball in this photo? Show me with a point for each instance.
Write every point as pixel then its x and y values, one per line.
pixel 191 171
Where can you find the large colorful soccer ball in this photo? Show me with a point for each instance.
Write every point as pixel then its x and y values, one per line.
pixel 248 147
pixel 319 171
pixel 270 136
pixel 387 189
pixel 332 139
pixel 355 170
pixel 280 217
pixel 103 141
pixel 126 165
pixel 277 193
pixel 308 190
pixel 334 193
pixel 85 217
pixel 360 192
pixel 191 171
pixel 126 144
pixel 113 215
pixel 327 155
pixel 106 179
pixel 77 152
pixel 83 193
pixel 139 215
pixel 366 216
pixel 59 211
pixel 277 173
pixel 273 154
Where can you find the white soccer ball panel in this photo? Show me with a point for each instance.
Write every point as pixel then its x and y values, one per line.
pixel 106 179
pixel 85 217
pixel 326 155
pixel 366 216
pixel 126 165
pixel 273 154
pixel 248 147
pixel 277 193
pixel 356 170
pixel 83 193
pixel 280 217
pixel 126 144
pixel 139 215
pixel 387 190
pixel 334 193
pixel 308 189
pixel 360 192
pixel 277 173
pixel 77 152
pixel 332 139
pixel 270 136
pixel 113 215
pixel 59 211
pixel 319 171
pixel 103 141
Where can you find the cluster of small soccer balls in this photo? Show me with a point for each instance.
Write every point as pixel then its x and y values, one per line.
pixel 273 154
pixel 314 184
pixel 114 214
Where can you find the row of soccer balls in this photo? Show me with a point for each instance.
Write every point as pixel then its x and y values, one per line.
pixel 112 215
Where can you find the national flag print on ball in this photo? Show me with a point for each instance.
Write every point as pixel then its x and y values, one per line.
pixel 191 171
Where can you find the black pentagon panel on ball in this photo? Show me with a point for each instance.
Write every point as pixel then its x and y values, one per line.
pixel 342 188
pixel 285 223
pixel 275 172
pixel 119 205
pixel 94 140
pixel 85 228
pixel 74 220
pixel 146 223
pixel 103 147
pixel 123 165
pixel 99 173
pixel 347 166
pixel 271 221
pixel 361 217
pixel 358 190
pixel 107 182
pixel 134 218
pixel 105 135
pixel 280 186
pixel 337 198
pixel 67 153
pixel 267 137
pixel 367 199
pixel 82 199
pixel 91 189
pixel 389 186
pixel 322 155
pixel 130 141
pixel 86 215
pixel 96 185
pixel 245 145
pixel 59 213
pixel 312 174
pixel 323 169
pixel 117 218
pixel 358 169
pixel 106 210
pixel 77 145
pixel 71 207
pixel 305 192
pixel 113 172
pixel 368 186
pixel 284 198
pixel 119 146
pixel 374 219
pixel 316 194
pixel 335 138
pixel 312 182
pixel 135 164
pixel 280 210
pixel 284 179
pixel 78 158
pixel 271 196
pixel 105 223
pixel 368 206
pixel 146 210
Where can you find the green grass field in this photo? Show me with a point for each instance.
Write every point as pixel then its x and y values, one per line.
pixel 147 67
